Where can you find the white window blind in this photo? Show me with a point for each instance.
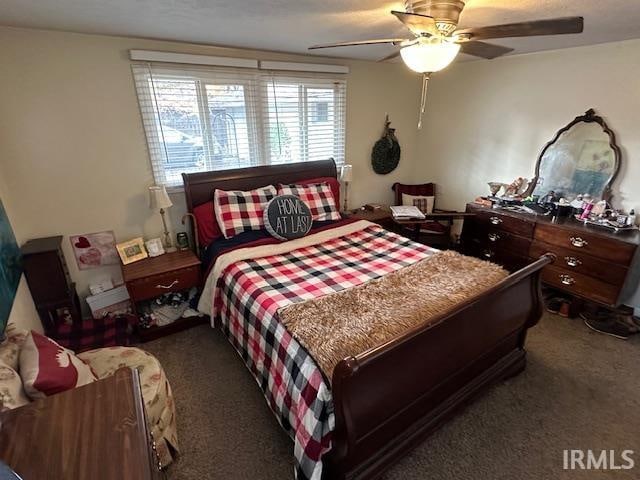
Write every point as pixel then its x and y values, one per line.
pixel 208 118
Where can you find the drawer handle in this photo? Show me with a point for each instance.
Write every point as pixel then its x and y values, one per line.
pixel 494 237
pixel 495 220
pixel 488 254
pixel 573 261
pixel 578 242
pixel 167 287
pixel 567 280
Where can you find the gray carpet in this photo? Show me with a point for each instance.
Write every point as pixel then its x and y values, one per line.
pixel 581 390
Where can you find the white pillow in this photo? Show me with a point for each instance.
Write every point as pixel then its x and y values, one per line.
pixel 408 201
pixel 47 368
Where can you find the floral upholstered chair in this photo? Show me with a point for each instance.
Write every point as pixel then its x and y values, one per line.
pixel 156 391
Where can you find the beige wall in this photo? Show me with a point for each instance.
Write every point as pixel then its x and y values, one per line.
pixel 488 120
pixel 73 150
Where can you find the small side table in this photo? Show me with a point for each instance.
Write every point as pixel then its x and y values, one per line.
pixel 152 277
pixel 417 224
pixel 382 216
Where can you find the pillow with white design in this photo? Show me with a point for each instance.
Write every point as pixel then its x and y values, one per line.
pixel 47 368
pixel 410 200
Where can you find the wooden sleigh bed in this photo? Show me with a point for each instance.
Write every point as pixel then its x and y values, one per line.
pixel 382 407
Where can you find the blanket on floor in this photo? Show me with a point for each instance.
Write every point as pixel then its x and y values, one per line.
pixel 347 323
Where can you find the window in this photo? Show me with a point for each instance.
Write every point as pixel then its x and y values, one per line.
pixel 199 119
pixel 321 111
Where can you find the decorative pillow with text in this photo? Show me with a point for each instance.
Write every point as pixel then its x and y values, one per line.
pixel 286 217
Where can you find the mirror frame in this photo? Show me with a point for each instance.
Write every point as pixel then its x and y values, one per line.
pixel 589 117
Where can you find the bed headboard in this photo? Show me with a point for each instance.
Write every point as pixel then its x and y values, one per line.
pixel 199 187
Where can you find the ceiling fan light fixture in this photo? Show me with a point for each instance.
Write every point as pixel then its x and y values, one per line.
pixel 429 56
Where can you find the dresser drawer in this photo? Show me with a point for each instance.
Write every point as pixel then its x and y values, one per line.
pixel 506 223
pixel 604 248
pixel 579 262
pixel 509 259
pixel 500 240
pixel 581 285
pixel 156 285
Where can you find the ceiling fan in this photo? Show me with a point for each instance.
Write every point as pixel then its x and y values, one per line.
pixel 437 40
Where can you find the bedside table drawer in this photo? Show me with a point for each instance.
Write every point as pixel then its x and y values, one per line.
pixel 156 285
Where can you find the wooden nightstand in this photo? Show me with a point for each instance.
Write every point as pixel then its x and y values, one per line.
pixel 152 277
pixel 381 216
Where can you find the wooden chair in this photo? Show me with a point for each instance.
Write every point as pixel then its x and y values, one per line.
pixel 436 229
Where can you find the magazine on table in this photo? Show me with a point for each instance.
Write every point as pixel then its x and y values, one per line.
pixel 407 212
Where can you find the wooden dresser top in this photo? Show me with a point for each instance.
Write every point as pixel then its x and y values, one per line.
pixel 95 432
pixel 568 223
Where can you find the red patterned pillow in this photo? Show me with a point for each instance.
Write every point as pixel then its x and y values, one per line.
pixel 47 368
pixel 238 211
pixel 331 181
pixel 208 229
pixel 318 197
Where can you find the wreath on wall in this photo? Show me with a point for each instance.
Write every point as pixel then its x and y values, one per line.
pixel 385 155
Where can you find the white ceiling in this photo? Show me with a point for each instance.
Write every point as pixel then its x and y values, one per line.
pixel 293 25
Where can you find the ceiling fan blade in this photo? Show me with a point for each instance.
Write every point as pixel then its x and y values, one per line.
pixel 417 23
pixel 393 41
pixel 554 26
pixel 483 50
pixel 390 57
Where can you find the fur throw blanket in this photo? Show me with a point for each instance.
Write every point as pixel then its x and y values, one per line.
pixel 352 321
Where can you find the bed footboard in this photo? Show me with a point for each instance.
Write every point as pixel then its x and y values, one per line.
pixel 391 397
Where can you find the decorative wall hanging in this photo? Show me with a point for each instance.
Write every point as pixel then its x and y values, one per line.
pixel 386 151
pixel 94 250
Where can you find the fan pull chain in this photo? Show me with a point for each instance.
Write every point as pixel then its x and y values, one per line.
pixel 423 101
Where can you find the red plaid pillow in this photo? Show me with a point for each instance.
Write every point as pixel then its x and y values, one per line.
pixel 238 211
pixel 318 197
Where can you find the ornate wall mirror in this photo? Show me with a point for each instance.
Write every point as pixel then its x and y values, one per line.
pixel 582 158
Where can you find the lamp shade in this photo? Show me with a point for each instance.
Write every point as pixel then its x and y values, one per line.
pixel 429 55
pixel 158 197
pixel 346 173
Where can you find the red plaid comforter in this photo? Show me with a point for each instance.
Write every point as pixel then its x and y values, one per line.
pixel 247 298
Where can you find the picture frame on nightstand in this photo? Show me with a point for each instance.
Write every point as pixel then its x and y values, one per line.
pixel 132 251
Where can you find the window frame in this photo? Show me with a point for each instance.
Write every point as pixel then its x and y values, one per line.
pixel 255 85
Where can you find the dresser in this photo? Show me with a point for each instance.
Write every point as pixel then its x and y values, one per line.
pixel 591 263
pixel 95 432
pixel 46 271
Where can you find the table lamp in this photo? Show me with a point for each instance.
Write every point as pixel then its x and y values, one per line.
pixel 159 199
pixel 346 175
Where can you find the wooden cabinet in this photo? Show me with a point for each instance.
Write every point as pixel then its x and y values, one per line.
pixel 95 432
pixel 590 263
pixel 47 274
